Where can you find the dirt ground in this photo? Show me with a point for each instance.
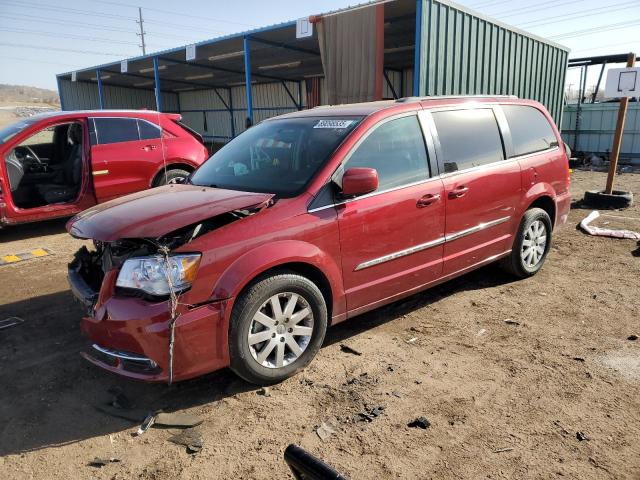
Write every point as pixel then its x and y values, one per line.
pixel 504 400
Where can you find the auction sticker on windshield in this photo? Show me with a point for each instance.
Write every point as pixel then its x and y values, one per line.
pixel 334 123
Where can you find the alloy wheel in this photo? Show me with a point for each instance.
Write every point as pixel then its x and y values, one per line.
pixel 534 244
pixel 280 330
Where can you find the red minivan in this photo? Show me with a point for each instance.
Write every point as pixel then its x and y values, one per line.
pixel 311 218
pixel 58 164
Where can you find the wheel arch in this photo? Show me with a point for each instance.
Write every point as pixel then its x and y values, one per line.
pixel 295 256
pixel 172 165
pixel 546 203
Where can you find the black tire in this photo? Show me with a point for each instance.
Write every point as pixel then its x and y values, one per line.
pixel 514 263
pixel 243 362
pixel 171 177
pixel 616 199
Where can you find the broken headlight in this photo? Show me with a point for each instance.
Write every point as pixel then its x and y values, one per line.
pixel 158 275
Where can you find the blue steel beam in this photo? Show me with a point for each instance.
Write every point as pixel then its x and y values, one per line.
pixel 417 50
pixel 156 80
pixel 247 78
pixel 100 90
pixel 60 94
pixel 284 45
pixel 233 123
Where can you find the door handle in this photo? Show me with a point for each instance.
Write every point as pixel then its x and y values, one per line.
pixel 458 192
pixel 427 200
pixel 148 148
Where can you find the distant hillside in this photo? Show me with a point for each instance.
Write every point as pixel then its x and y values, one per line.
pixel 23 95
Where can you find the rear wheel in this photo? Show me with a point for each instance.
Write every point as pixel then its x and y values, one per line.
pixel 174 175
pixel 531 245
pixel 277 326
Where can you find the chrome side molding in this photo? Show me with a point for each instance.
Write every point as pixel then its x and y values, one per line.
pixel 124 355
pixel 433 243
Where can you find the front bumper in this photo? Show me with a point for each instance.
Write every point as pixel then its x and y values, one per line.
pixel 130 336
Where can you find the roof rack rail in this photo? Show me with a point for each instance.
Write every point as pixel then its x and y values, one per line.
pixel 441 97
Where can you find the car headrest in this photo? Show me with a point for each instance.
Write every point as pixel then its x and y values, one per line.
pixel 74 134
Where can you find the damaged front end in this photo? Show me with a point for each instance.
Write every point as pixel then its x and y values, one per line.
pixel 133 290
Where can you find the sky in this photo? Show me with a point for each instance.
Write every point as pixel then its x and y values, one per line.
pixel 41 38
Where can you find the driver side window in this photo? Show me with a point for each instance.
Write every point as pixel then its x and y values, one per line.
pixel 396 149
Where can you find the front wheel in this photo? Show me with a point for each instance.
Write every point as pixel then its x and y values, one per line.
pixel 531 245
pixel 277 326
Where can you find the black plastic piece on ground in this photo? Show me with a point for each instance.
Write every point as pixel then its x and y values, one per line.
pixel 616 199
pixel 303 465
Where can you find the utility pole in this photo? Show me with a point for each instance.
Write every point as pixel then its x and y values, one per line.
pixel 141 34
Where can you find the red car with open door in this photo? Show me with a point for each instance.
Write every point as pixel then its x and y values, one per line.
pixel 58 164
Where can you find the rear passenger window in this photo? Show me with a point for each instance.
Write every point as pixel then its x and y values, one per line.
pixel 396 149
pixel 148 130
pixel 468 138
pixel 530 129
pixel 115 130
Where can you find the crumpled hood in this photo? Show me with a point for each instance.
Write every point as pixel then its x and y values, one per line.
pixel 158 211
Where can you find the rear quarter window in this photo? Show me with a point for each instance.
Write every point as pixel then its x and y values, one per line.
pixel 148 130
pixel 468 138
pixel 530 129
pixel 116 130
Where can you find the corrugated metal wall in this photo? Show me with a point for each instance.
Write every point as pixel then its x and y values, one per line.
pixel 84 96
pixel 462 53
pixel 269 100
pixel 597 125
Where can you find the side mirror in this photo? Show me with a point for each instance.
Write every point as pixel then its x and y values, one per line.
pixel 359 180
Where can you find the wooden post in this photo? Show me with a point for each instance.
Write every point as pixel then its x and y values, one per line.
pixel 617 137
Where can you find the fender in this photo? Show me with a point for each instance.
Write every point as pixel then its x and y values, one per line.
pixel 535 191
pixel 267 256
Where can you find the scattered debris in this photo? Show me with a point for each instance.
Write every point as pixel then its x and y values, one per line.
pixel 391 368
pixel 177 420
pixel 511 321
pixel 605 232
pixel 368 415
pixel 578 359
pixel 633 338
pixel 417 329
pixel 10 322
pixel 581 436
pixel 306 381
pixel 146 424
pixel 348 349
pixel 325 430
pixel 190 438
pixel 412 340
pixel 481 332
pixel 101 462
pixel 418 382
pixel 265 392
pixel 396 394
pixel 562 429
pixel 420 422
pixel 500 450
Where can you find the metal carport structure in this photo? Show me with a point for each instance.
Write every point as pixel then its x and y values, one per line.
pixel 428 47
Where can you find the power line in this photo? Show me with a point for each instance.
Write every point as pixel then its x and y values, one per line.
pixel 198 17
pixel 40 47
pixel 76 11
pixel 31 60
pixel 535 8
pixel 603 46
pixel 64 22
pixel 489 4
pixel 584 14
pixel 598 29
pixel 66 35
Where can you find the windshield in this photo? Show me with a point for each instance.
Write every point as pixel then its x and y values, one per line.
pixel 277 156
pixel 8 132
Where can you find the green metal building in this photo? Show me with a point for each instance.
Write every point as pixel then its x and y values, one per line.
pixel 382 49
